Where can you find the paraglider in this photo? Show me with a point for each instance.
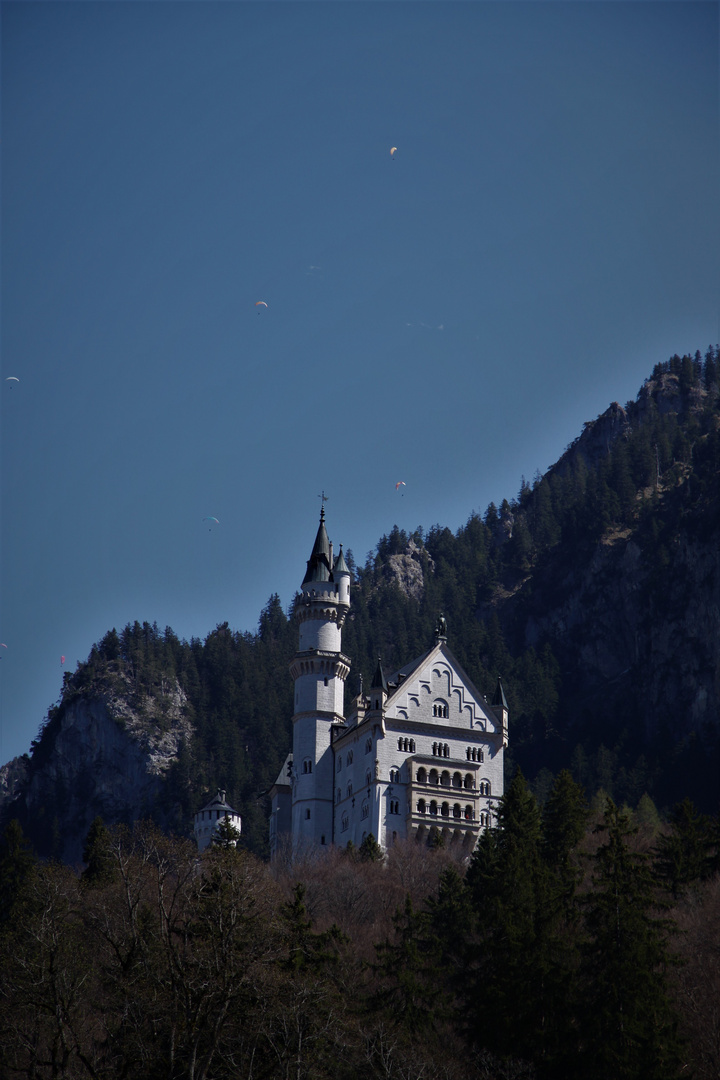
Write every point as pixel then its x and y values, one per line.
pixel 400 483
pixel 62 659
pixel 213 521
pixel 260 303
pixel 392 151
pixel 12 379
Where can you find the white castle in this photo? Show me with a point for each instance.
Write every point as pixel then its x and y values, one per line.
pixel 422 751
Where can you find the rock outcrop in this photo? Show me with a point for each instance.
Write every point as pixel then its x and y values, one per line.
pixel 406 570
pixel 108 758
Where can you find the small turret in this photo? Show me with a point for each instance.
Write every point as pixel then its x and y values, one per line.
pixel 500 708
pixel 379 689
pixel 341 577
pixel 212 815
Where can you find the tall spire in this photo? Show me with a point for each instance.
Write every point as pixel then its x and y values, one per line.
pixel 318 565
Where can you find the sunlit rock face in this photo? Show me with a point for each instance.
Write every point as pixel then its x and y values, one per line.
pixel 406 570
pixel 106 758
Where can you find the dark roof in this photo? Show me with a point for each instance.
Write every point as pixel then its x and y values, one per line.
pixel 379 680
pixel 318 566
pixel 341 566
pixel 499 698
pixel 219 803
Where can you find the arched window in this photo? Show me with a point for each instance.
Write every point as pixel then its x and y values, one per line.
pixel 400 744
pixel 434 749
pixel 395 776
pixel 457 780
pixel 421 776
pixel 445 778
pixel 364 810
pixel 344 823
pixel 457 812
pixel 412 746
pixel 394 806
pixel 433 808
pixel 368 778
pixel 433 776
pixel 368 745
pixel 307 815
pixel 307 765
pixel 468 813
pixel 468 781
pixel 340 763
pixel 421 806
pixel 349 757
pixel 349 790
pixel 445 810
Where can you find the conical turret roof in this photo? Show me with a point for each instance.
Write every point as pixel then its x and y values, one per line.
pixel 499 698
pixel 379 680
pixel 318 565
pixel 341 567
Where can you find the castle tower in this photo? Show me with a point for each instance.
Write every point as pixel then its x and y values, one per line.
pixel 319 670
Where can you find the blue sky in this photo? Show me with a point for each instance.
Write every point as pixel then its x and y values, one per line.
pixel 545 233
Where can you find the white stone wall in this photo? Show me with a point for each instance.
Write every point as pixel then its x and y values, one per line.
pixel 320 634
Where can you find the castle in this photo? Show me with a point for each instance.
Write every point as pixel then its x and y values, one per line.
pixel 420 754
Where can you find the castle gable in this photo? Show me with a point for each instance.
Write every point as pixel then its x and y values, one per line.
pixel 436 690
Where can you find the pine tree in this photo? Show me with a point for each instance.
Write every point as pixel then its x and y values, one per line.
pixel 99 869
pixel 681 855
pixel 511 891
pixel 629 1029
pixel 17 864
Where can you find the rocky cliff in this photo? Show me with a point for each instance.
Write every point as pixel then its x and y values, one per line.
pixel 104 752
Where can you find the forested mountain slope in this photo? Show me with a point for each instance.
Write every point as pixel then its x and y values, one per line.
pixel 595 593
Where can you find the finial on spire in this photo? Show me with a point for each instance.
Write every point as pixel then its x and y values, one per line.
pixel 324 499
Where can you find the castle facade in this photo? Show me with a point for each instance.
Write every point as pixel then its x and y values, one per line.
pixel 421 753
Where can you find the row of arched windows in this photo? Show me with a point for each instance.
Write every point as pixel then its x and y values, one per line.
pixel 474 753
pixel 406 745
pixel 441 750
pixel 394 806
pixel 440 709
pixel 458 812
pixel 307 765
pixel 443 779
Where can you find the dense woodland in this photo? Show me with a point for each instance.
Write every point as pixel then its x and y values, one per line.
pixel 573 945
pixel 656 482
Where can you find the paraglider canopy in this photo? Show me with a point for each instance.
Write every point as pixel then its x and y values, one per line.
pixel 260 303
pixel 392 151
pixel 400 483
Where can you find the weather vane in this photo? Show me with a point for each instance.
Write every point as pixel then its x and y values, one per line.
pixel 324 498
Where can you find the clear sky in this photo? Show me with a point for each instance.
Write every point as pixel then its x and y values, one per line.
pixel 546 231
